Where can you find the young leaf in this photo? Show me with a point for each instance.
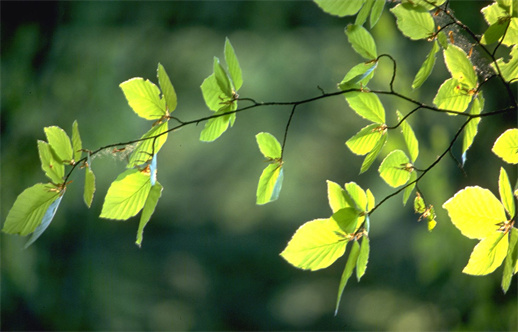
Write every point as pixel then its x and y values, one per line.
pixel 506 193
pixel 415 22
pixel 46 220
pixel 144 98
pixel 270 183
pixel 366 139
pixel 460 66
pixel 29 209
pixel 506 146
pixel 269 145
pixel 315 245
pixel 511 260
pixel 508 69
pixel 495 12
pixel 419 205
pixel 427 67
pixel 233 65
pixel 452 96
pixel 52 167
pixel 212 93
pixel 148 146
pixel 215 127
pixel 352 260
pixel 77 145
pixel 59 142
pixel 364 12
pixel 338 197
pixel 358 196
pixel 361 41
pixel 488 254
pixel 430 217
pixel 408 190
pixel 377 10
pixel 339 7
pixel 126 195
pixel 88 194
pixel 371 201
pixel 411 141
pixel 475 211
pixel 371 157
pixel 472 127
pixel 169 95
pixel 394 169
pixel 363 258
pixel 346 219
pixel 222 78
pixel 358 76
pixel 367 105
pixel 149 208
pixel 494 32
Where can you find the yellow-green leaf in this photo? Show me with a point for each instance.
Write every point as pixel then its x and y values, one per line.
pixel 339 7
pixel 371 156
pixel 77 145
pixel 511 260
pixel 233 65
pixel 361 41
pixel 147 147
pixel 415 22
pixel 460 66
pixel 408 190
pixel 216 126
pixel 488 254
pixel 88 194
pixel 452 96
pixel 506 146
pixel 352 260
pixel 363 258
pixel 376 11
pixel 367 105
pixel 395 169
pixel 471 128
pixel 358 196
pixel 53 168
pixel 270 184
pixel 508 69
pixel 426 67
pixel 506 193
pixel 269 145
pixel 358 76
pixel 60 143
pixel 167 88
pixel 408 134
pixel 366 139
pixel 149 208
pixel 144 98
pixel 338 197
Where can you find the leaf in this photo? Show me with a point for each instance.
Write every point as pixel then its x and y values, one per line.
pixel 494 32
pixel 53 168
pixel 506 192
pixel 430 217
pixel 358 196
pixel 415 22
pixel 269 145
pixel 346 219
pixel 506 146
pixel 222 78
pixel 338 197
pixel 358 76
pixel 419 204
pixel 363 258
pixel 488 254
pixel 126 195
pixel 315 245
pixel 475 211
pixel 144 98
pixel 77 145
pixel 361 41
pixel 29 209
pixel 460 66
pixel 371 201
pixel 471 128
pixel 494 13
pixel 411 141
pixel 233 65
pixel 371 157
pixel 427 67
pixel 365 140
pixel 169 95
pixel 348 271
pixel 46 220
pixel 394 169
pixel 147 146
pixel 216 126
pixel 508 69
pixel 88 194
pixel 452 96
pixel 270 183
pixel 364 12
pixel 60 143
pixel 511 260
pixel 408 190
pixel 367 105
pixel 149 208
pixel 212 93
pixel 339 7
pixel 377 10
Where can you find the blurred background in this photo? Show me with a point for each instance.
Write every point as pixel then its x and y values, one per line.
pixel 210 257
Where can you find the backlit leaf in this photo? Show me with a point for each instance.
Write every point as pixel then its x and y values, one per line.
pixel 59 142
pixel 270 184
pixel 358 76
pixel 371 201
pixel 338 197
pixel 212 93
pixel 46 220
pixel 358 195
pixel 167 89
pixel 148 210
pixel 339 7
pixel 471 128
pixel 222 78
pixel 488 254
pixel 215 127
pixel 371 156
pixel 494 32
pixel 346 219
pixel 411 141
pixel 427 66
pixel 144 98
pixel 493 13
pixel 365 140
pixel 511 260
pixel 363 258
pixel 362 15
pixel 367 105
pixel 419 204
pixel 377 10
pixel 460 66
pixel 77 145
pixel 506 146
pixel 88 194
pixel 146 148
pixel 361 41
pixel 393 169
pixel 452 96
pixel 352 260
pixel 233 65
pixel 415 22
pixel 269 145
pixel 506 192
pixel 53 168
pixel 508 69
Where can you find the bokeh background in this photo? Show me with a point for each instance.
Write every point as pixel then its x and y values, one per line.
pixel 210 257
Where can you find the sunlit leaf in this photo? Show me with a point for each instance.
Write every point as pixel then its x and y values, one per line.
pixel 371 156
pixel 419 204
pixel 358 195
pixel 431 218
pixel 471 128
pixel 371 201
pixel 45 221
pixel 53 168
pixel 212 94
pixel 365 140
pixel 506 146
pixel 427 67
pixel 475 211
pixel 394 169
pixel 126 195
pixel 77 145
pixel 352 260
pixel 494 13
pixel 511 260
pixel 494 32
pixel 506 192
pixel 358 76
pixel 363 258
pixel 377 10
pixel 367 105
pixel 222 78
pixel 488 254
pixel 147 147
pixel 315 245
pixel 408 190
pixel 167 89
pixel 88 194
pixel 426 4
pixel 460 66
pixel 361 41
pixel 339 7
pixel 144 98
pixel 364 12
pixel 60 143
pixel 216 126
pixel 270 184
pixel 149 208
pixel 508 69
pixel 452 96
pixel 411 141
pixel 338 197
pixel 233 65
pixel 415 22
pixel 269 145
pixel 346 219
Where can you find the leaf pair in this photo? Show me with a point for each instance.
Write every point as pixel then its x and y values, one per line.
pixel 270 181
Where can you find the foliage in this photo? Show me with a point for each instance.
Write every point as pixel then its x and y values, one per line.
pixel 318 243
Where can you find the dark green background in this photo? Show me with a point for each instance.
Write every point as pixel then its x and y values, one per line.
pixel 210 257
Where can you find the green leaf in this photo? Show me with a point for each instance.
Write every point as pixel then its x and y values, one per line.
pixel 339 7
pixel 364 12
pixel 212 93
pixel 233 65
pixel 408 190
pixel 126 195
pixel 506 146
pixel 53 168
pixel 45 221
pixel 29 209
pixel 427 66
pixel 495 13
pixel 270 183
pixel 338 197
pixel 371 157
pixel 367 105
pixel 77 145
pixel 269 145
pixel 169 95
pixel 377 10
pixel 215 127
pixel 358 196
pixel 452 96
pixel 366 139
pixel 411 141
pixel 60 143
pixel 511 260
pixel 363 258
pixel 315 245
pixel 488 254
pixel 494 32
pixel 371 201
pixel 419 205
pixel 88 194
pixel 506 192
pixel 476 212
pixel 348 271
pixel 471 128
pixel 361 41
pixel 358 76
pixel 144 98
pixel 394 169
pixel 509 69
pixel 431 218
pixel 149 208
pixel 426 4
pixel 346 219
pixel 147 147
pixel 415 22
pixel 460 66
pixel 222 78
